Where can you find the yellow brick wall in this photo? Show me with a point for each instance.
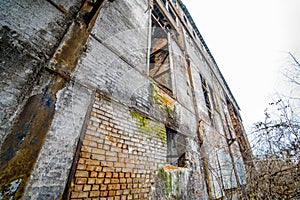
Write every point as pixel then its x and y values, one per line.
pixel 119 155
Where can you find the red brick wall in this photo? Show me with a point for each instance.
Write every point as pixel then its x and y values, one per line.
pixel 120 153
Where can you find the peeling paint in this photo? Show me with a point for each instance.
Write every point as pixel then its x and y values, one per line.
pixel 20 149
pixel 9 192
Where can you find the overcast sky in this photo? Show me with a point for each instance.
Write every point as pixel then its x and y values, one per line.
pixel 250 41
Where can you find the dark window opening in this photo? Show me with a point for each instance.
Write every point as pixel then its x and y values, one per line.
pixel 174 2
pixel 160 18
pixel 185 20
pixel 176 148
pixel 159 68
pixel 172 14
pixel 205 89
pixel 228 126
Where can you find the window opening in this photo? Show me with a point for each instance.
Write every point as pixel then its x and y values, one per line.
pixel 229 129
pixel 185 20
pixel 176 148
pixel 205 89
pixel 175 3
pixel 172 13
pixel 159 68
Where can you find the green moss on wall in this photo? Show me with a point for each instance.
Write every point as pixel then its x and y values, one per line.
pixel 162 135
pixel 163 102
pixel 152 128
pixel 167 178
pixel 178 184
pixel 170 111
pixel 141 119
pixel 156 97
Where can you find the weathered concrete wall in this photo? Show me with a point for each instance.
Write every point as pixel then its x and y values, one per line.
pixel 182 182
pixel 77 98
pixel 123 27
pixel 116 64
pixel 182 83
pixel 219 146
pixel 30 31
pixel 51 171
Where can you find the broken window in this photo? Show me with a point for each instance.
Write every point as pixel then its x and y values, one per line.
pixel 194 34
pixel 176 152
pixel 175 3
pixel 172 13
pixel 205 89
pixel 229 129
pixel 159 68
pixel 184 18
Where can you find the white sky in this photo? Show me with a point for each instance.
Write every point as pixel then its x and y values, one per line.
pixel 250 41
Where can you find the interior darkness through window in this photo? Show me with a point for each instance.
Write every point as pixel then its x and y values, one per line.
pixel 176 148
pixel 206 94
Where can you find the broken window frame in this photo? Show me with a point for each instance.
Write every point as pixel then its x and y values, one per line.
pixel 159 20
pixel 174 2
pixel 169 10
pixel 185 19
pixel 207 98
pixel 172 13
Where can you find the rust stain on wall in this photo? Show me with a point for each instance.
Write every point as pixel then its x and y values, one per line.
pixel 21 147
pixel 241 138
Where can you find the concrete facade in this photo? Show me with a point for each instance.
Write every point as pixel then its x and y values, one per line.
pixel 114 99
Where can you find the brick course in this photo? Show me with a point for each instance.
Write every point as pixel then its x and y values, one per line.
pixel 120 153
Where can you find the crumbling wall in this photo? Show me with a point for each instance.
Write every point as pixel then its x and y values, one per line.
pixel 182 88
pixel 30 31
pixel 52 168
pixel 120 153
pixel 123 155
pixel 81 116
pixel 172 182
pixel 115 63
pixel 115 60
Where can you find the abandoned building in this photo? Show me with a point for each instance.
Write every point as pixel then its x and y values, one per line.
pixel 114 99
